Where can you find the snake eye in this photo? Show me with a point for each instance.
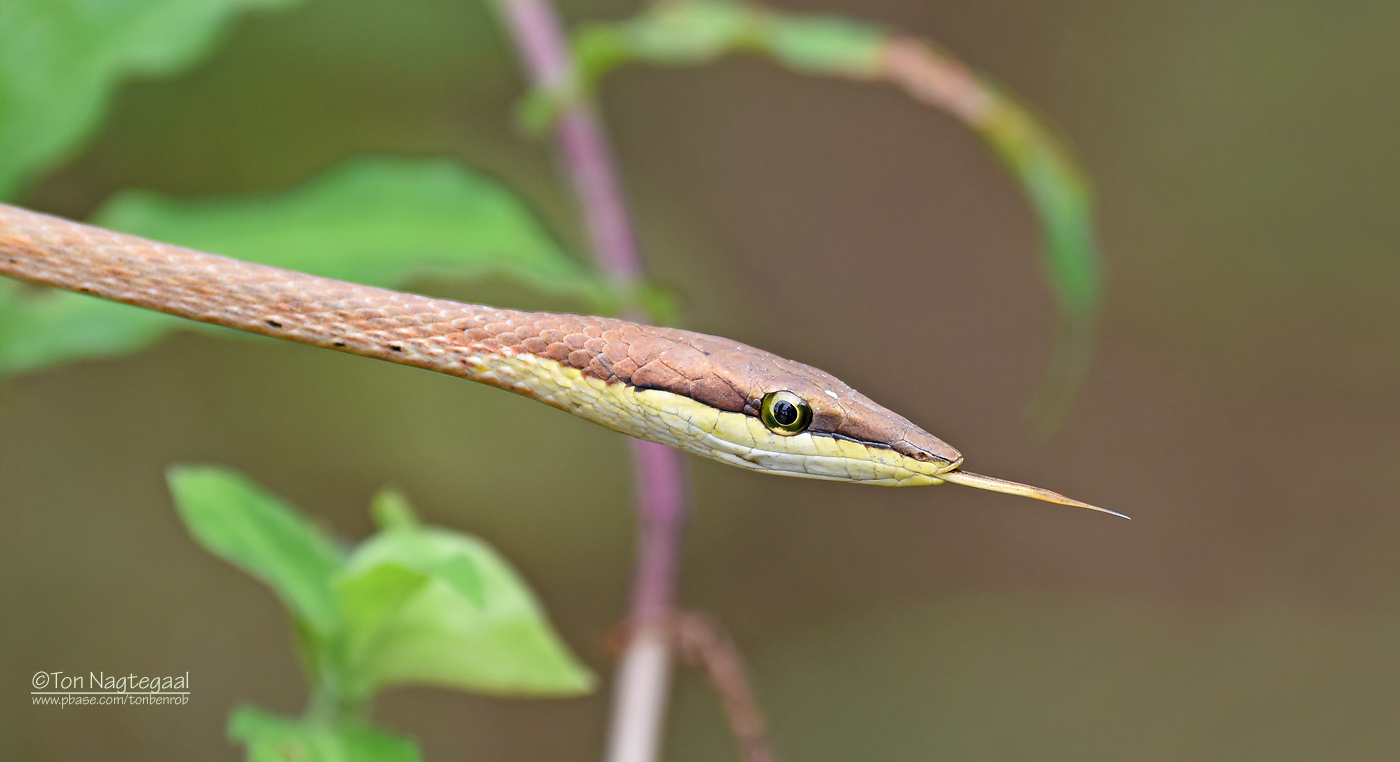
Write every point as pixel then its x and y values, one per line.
pixel 785 413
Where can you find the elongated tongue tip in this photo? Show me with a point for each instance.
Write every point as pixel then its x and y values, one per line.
pixel 1025 490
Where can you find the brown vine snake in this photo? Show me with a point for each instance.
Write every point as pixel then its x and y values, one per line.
pixel 703 394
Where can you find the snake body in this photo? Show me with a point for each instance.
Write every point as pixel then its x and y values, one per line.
pixel 696 392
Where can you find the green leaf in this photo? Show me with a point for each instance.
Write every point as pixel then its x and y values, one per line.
pixel 369 600
pixel 45 328
pixel 426 605
pixel 390 510
pixel 59 62
pixel 270 738
pixel 1064 204
pixel 699 31
pixel 240 523
pixel 375 221
pixel 691 32
pixel 435 553
pixel 1061 198
pixel 826 45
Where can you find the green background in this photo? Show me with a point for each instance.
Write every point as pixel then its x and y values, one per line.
pixel 1242 405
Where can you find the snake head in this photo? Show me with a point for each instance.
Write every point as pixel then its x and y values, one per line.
pixel 746 407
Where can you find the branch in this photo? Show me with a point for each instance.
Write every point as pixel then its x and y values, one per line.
pixel 643 675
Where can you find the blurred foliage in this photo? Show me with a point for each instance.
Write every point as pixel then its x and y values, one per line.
pixel 59 62
pixel 375 221
pixel 1245 151
pixel 270 738
pixel 690 32
pixel 370 220
pixel 699 31
pixel 411 604
pixel 428 605
pixel 265 537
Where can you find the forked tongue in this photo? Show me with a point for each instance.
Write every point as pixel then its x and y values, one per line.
pixel 1025 490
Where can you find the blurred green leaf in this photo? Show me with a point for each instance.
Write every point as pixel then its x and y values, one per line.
pixel 270 738
pixel 435 553
pixel 60 60
pixel 240 523
pixel 824 45
pixel 390 510
pixel 375 221
pixel 1070 255
pixel 371 220
pixel 426 605
pixel 410 604
pixel 700 31
pixel 43 328
pixel 1061 198
pixel 369 600
pixel 677 33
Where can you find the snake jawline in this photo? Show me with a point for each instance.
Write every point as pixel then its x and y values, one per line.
pixel 733 438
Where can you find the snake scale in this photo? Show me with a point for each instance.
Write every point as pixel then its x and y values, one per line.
pixel 707 395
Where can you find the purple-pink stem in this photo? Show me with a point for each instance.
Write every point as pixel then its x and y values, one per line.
pixel 643 675
pixel 662 507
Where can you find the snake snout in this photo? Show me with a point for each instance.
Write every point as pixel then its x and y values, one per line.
pixel 923 446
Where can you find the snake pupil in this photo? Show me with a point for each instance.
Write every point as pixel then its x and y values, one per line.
pixel 785 413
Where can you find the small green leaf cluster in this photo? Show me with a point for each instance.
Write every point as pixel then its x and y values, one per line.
pixel 412 604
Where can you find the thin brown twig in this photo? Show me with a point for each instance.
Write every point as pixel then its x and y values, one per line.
pixel 936 80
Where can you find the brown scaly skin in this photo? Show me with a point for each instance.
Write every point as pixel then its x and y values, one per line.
pixel 434 333
pixel 607 370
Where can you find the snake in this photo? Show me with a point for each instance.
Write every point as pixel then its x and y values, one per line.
pixel 707 395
